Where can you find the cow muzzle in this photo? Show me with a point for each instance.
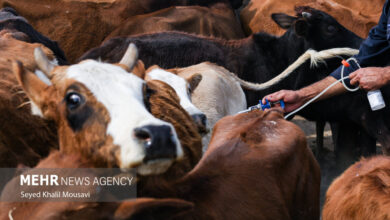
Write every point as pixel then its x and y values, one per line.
pixel 201 123
pixel 160 146
pixel 158 141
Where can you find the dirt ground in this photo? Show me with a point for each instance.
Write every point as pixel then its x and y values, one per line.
pixel 328 166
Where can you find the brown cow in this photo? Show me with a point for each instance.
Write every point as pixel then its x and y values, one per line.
pixel 218 22
pixel 24 138
pixel 80 25
pixel 357 16
pixel 101 112
pixel 130 209
pixel 258 166
pixel 165 105
pixel 361 192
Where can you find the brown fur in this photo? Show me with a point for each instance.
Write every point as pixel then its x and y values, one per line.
pixel 258 166
pixel 92 145
pixel 165 105
pixel 24 138
pixel 76 25
pixel 83 24
pixel 129 209
pixel 92 140
pixel 218 22
pixel 357 16
pixel 361 192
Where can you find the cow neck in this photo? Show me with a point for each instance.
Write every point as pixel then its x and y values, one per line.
pixel 281 51
pixel 265 53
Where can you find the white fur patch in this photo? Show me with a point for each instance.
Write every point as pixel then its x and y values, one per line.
pixel 35 110
pixel 43 77
pixel 180 86
pixel 121 93
pixel 154 167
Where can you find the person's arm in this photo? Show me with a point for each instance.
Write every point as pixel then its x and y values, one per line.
pixel 294 99
pixel 374 51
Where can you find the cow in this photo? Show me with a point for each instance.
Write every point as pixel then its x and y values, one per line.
pixel 25 138
pixel 183 87
pixel 217 95
pixel 86 23
pixel 103 113
pixel 357 16
pixel 165 105
pixel 217 22
pixel 128 209
pixel 258 166
pixel 259 53
pixel 268 55
pixel 361 192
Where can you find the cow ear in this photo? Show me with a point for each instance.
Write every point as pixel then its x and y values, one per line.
pixel 150 208
pixel 194 81
pixel 283 20
pixel 301 27
pixel 39 93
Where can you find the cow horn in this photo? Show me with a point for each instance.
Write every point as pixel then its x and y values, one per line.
pixel 306 15
pixel 130 58
pixel 43 62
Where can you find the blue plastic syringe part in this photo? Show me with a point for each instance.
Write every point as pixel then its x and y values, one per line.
pixel 268 104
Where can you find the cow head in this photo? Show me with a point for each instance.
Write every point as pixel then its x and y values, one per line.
pixel 320 30
pixel 183 88
pixel 100 110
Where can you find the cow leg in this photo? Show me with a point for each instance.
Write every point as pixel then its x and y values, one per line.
pixel 346 144
pixel 320 127
pixel 367 144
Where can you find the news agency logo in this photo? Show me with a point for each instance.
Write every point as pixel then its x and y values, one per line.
pixel 63 184
pixel 54 180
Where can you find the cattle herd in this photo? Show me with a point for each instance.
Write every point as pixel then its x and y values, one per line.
pixel 152 85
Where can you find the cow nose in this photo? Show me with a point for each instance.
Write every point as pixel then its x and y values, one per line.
pixel 201 122
pixel 159 141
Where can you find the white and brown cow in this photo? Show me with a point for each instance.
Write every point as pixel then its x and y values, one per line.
pixel 211 88
pixel 101 112
pixel 183 88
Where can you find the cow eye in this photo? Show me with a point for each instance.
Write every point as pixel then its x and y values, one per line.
pixel 73 100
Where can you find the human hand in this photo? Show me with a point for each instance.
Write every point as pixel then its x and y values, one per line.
pixel 370 78
pixel 292 99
